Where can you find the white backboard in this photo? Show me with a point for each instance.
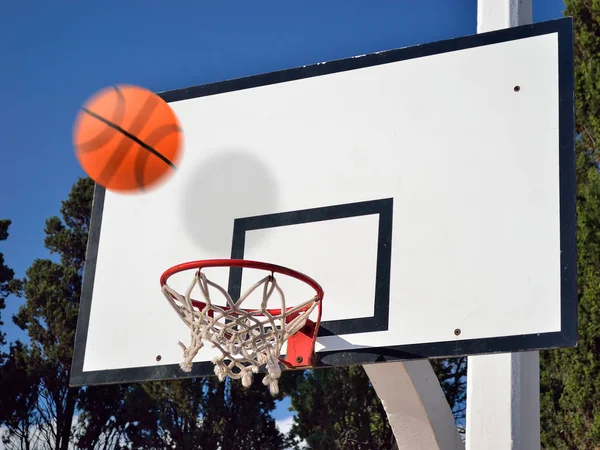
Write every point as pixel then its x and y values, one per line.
pixel 429 190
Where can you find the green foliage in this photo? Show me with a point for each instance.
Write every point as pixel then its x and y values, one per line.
pixel 240 417
pixel 452 374
pixel 180 414
pixel 18 398
pixel 6 274
pixel 570 378
pixel 68 237
pixel 202 414
pixel 586 17
pixel 52 290
pixel 183 414
pixel 49 316
pixel 8 284
pixel 105 413
pixel 338 409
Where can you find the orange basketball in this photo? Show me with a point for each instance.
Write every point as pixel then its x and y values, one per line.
pixel 127 138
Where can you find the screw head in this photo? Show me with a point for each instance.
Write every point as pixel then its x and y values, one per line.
pixel 517 88
pixel 158 358
pixel 457 332
pixel 299 359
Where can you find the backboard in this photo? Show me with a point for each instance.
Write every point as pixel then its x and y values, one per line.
pixel 429 190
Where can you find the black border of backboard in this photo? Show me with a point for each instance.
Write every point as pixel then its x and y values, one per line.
pixel 567 337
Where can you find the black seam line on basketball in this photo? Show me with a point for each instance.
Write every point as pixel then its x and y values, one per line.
pixel 126 145
pixel 132 137
pixel 96 143
pixel 153 139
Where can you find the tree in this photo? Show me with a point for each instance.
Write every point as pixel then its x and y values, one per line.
pixel 38 404
pixel 570 378
pixel 8 284
pixel 105 413
pixel 452 375
pixel 18 400
pixel 49 316
pixel 241 417
pixel 6 274
pixel 12 406
pixel 202 413
pixel 338 408
pixel 198 413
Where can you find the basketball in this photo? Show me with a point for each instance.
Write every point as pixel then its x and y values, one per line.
pixel 127 138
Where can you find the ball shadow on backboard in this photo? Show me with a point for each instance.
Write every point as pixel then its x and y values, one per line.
pixel 232 184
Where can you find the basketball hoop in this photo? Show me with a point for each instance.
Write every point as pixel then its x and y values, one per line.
pixel 247 338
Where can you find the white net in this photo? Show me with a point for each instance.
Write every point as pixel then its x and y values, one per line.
pixel 246 338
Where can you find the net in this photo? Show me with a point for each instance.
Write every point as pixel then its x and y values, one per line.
pixel 247 339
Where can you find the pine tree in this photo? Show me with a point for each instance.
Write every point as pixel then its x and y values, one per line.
pixel 337 408
pixel 452 375
pixel 14 409
pixel 570 378
pixel 202 414
pixel 38 405
pixel 6 274
pixel 49 317
pixel 18 401
pixel 8 284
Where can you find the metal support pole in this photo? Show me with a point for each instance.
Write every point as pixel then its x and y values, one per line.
pixel 503 391
pixel 415 405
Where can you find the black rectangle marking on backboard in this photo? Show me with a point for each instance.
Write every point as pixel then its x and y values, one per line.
pixel 383 208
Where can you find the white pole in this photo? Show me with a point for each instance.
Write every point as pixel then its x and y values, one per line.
pixel 503 390
pixel 415 404
pixel 498 14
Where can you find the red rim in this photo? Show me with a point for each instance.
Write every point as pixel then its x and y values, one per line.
pixel 243 263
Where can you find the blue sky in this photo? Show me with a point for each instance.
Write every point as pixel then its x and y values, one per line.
pixel 56 54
